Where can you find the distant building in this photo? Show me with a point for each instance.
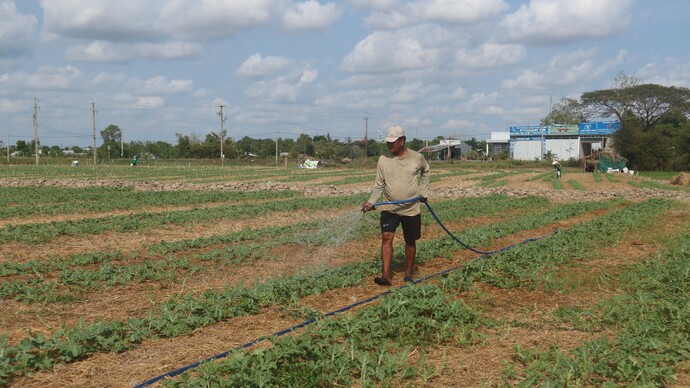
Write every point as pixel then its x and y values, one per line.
pixel 532 142
pixel 68 152
pixel 457 149
pixel 498 144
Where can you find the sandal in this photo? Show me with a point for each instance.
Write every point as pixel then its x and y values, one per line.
pixel 409 279
pixel 382 281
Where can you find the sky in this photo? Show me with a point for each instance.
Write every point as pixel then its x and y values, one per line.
pixel 280 68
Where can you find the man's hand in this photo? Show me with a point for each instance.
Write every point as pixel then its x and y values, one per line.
pixel 367 207
pixel 422 200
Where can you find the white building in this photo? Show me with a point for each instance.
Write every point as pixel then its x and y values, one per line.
pixel 532 142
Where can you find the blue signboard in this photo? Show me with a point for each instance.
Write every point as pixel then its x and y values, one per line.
pixel 599 127
pixel 527 138
pixel 528 130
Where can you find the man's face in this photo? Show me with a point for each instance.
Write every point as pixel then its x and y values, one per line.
pixel 395 147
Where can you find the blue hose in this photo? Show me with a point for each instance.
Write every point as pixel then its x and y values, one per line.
pixel 417 198
pixel 399 202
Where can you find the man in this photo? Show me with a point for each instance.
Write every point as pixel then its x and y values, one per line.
pixel 557 168
pixel 400 175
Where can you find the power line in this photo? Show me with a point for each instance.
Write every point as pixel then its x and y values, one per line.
pixel 61 132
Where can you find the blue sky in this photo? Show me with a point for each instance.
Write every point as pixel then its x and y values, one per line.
pixel 462 68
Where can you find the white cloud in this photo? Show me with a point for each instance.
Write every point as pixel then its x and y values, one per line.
pixel 149 102
pixel 555 21
pixel 16 30
pixel 161 85
pixel 374 4
pixel 565 69
pixel 670 72
pixel 45 78
pixel 278 89
pixel 394 16
pixel 458 124
pixel 107 79
pixel 490 55
pixel 410 92
pixel 311 15
pixel 483 103
pixel 216 18
pixel 106 19
pixel 12 105
pixel 149 21
pixel 258 66
pixel 101 51
pixel 459 93
pixel 286 88
pixel 458 11
pixel 356 99
pixel 386 51
pixel 308 76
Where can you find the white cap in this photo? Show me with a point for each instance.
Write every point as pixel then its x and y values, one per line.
pixel 394 133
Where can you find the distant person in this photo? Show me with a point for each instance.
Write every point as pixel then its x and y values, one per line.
pixel 135 160
pixel 557 168
pixel 400 175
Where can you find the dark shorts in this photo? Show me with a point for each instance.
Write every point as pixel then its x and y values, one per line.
pixel 411 225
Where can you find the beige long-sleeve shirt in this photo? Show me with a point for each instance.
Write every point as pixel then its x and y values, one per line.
pixel 399 178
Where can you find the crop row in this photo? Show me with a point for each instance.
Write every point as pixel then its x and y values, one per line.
pixel 369 348
pixel 651 317
pixel 235 248
pixel 72 281
pixel 540 260
pixel 45 232
pixel 181 315
pixel 26 201
pixel 179 172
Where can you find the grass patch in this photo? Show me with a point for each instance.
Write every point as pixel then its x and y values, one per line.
pixel 576 185
pixel 652 319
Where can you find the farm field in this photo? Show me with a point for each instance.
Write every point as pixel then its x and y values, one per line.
pixel 112 276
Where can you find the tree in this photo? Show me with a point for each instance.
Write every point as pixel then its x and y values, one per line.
pixel 112 136
pixel 184 146
pixel 23 147
pixel 415 144
pixel 663 147
pixel 303 145
pixel 247 145
pixel 654 122
pixel 648 103
pixel 568 112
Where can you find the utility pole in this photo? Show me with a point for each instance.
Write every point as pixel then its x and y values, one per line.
pixel 93 115
pixel 36 108
pixel 222 121
pixel 8 148
pixel 366 135
pixel 122 147
pixel 276 148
